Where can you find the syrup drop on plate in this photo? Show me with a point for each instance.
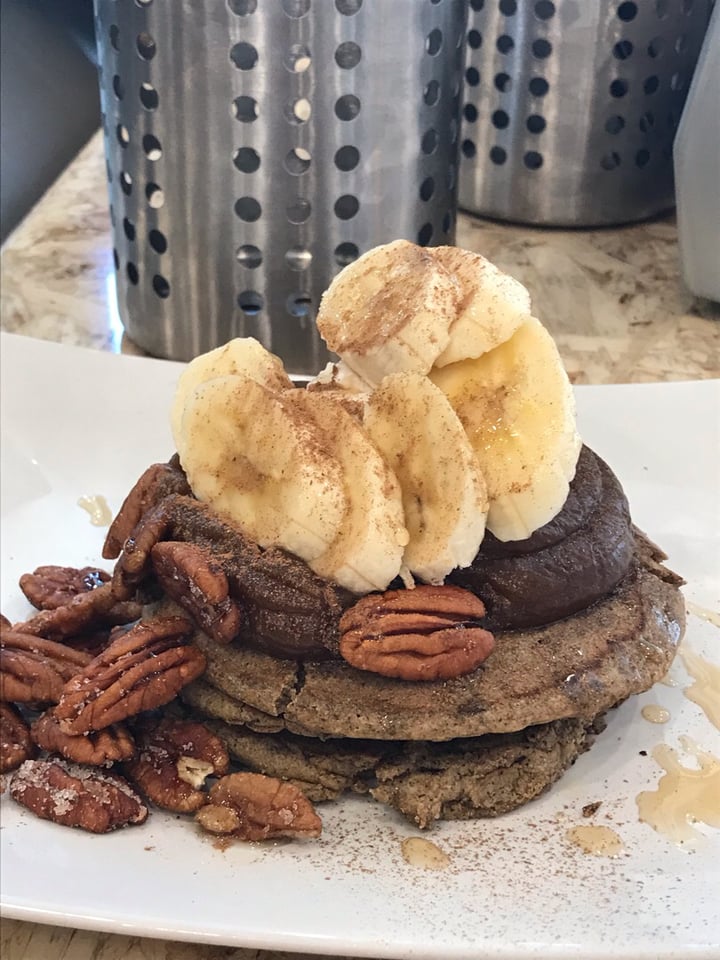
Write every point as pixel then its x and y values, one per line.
pixel 97 506
pixel 419 852
pixel 684 795
pixel 705 689
pixel 597 840
pixel 712 616
pixel 654 713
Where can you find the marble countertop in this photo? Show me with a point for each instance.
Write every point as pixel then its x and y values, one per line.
pixel 612 298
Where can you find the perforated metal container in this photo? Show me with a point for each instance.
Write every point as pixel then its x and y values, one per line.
pixel 254 148
pixel 571 107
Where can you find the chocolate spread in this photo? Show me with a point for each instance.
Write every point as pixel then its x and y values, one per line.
pixel 575 559
pixel 290 613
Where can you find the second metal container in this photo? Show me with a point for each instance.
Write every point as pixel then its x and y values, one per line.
pixel 255 148
pixel 571 107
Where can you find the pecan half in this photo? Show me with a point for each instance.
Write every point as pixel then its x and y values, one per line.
pixel 50 586
pixel 35 670
pixel 16 745
pixel 76 796
pixel 107 604
pixel 173 761
pixel 197 582
pixel 134 564
pixel 251 806
pixel 157 482
pixel 429 633
pixel 140 670
pixel 105 746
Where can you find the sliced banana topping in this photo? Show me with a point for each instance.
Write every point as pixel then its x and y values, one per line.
pixel 338 376
pixel 367 553
pixel 294 469
pixel 517 406
pixel 449 411
pixel 389 311
pixel 444 497
pixel 492 306
pixel 337 381
pixel 260 461
pixel 244 355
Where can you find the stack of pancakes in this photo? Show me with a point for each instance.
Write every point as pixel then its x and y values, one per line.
pixel 584 615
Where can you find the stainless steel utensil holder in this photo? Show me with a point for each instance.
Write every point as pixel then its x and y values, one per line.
pixel 571 107
pixel 255 147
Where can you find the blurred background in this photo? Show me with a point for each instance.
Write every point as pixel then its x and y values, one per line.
pixel 535 112
pixel 49 99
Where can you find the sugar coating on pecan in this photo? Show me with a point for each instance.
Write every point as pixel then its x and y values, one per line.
pixel 142 669
pixel 192 577
pixel 16 744
pixel 51 586
pixel 35 670
pixel 157 482
pixel 428 633
pixel 76 796
pixel 102 747
pixel 107 604
pixel 173 761
pixel 252 806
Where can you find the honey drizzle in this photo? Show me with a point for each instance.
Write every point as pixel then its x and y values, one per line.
pixel 684 795
pixel 654 713
pixel 597 840
pixel 712 616
pixel 97 506
pixel 705 689
pixel 419 852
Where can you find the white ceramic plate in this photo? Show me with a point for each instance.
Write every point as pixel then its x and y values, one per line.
pixel 77 423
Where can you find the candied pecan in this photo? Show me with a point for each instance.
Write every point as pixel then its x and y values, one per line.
pixel 251 806
pixel 102 747
pixel 156 483
pixel 429 633
pixel 16 745
pixel 142 669
pixel 173 761
pixel 35 670
pixel 91 643
pixel 50 586
pixel 84 613
pixel 195 580
pixel 134 564
pixel 4 622
pixel 76 796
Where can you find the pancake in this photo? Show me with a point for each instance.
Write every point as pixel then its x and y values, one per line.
pixel 458 780
pixel 578 667
pixel 584 615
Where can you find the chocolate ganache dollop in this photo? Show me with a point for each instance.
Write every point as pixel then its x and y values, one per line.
pixel 290 613
pixel 575 559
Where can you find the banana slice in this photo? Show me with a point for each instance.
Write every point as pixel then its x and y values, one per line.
pixel 517 406
pixel 367 553
pixel 262 462
pixel 444 496
pixel 492 307
pixel 337 381
pixel 244 355
pixel 338 376
pixel 389 311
